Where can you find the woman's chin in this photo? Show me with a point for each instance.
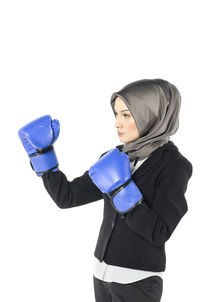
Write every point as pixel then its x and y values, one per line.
pixel 123 140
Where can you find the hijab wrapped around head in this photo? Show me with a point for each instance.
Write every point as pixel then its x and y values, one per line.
pixel 154 105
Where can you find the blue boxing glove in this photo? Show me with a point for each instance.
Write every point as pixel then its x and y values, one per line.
pixel 38 138
pixel 112 175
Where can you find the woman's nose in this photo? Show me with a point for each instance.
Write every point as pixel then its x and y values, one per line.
pixel 118 122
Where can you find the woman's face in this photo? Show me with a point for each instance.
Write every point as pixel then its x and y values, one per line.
pixel 125 124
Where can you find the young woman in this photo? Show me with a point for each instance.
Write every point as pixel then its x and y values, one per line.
pixel 142 182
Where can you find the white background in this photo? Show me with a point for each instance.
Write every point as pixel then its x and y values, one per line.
pixel 66 58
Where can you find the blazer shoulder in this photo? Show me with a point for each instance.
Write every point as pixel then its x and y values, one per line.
pixel 175 158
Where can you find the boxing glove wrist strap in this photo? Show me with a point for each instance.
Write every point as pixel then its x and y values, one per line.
pixel 44 161
pixel 126 197
pixel 117 190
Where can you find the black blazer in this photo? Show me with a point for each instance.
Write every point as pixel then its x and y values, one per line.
pixel 137 240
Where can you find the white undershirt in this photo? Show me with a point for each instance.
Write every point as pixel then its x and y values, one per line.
pixel 112 273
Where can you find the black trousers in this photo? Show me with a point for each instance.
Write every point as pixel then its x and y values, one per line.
pixel 146 290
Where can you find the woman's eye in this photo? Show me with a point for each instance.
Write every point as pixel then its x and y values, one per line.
pixel 125 115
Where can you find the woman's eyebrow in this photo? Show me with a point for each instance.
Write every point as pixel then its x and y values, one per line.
pixel 122 110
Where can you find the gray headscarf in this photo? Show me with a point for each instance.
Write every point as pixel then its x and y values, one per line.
pixel 154 105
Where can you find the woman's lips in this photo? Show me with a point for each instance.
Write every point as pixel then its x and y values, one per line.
pixel 120 134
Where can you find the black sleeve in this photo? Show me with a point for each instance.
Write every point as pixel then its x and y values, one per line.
pixel 156 225
pixel 68 194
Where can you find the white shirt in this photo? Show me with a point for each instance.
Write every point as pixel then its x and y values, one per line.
pixel 112 273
